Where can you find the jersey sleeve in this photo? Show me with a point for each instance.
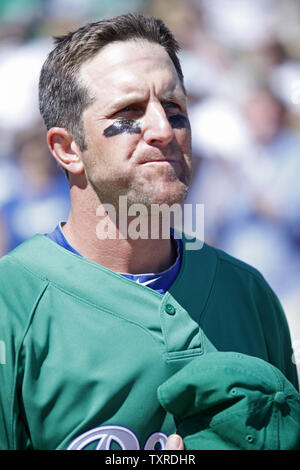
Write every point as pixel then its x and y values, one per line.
pixel 278 339
pixel 18 291
pixel 244 314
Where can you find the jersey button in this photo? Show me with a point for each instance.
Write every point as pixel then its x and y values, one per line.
pixel 170 309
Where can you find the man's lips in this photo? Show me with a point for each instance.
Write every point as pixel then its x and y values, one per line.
pixel 159 161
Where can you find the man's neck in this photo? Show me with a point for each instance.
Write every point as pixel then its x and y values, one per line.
pixel 121 253
pixel 86 231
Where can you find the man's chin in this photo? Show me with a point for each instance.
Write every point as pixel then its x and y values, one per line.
pixel 159 197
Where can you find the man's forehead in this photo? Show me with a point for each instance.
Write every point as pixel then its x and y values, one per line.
pixel 118 62
pixel 134 49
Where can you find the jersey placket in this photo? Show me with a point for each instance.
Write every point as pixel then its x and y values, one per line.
pixel 183 337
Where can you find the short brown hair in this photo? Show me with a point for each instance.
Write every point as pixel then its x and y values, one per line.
pixel 62 97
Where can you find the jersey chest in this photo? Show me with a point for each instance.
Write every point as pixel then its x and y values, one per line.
pixel 91 375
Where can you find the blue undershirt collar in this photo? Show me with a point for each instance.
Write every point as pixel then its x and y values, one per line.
pixel 160 282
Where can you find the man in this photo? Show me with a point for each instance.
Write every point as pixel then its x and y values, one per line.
pixel 94 324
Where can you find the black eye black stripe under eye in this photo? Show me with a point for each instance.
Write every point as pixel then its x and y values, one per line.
pixel 130 126
pixel 178 121
pixel 124 126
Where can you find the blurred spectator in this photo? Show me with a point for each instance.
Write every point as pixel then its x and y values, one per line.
pixel 242 25
pixel 264 228
pixel 40 196
pixel 19 74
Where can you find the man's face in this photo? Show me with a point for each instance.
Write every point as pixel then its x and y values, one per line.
pixel 136 129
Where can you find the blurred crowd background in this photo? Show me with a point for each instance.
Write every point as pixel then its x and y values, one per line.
pixel 241 61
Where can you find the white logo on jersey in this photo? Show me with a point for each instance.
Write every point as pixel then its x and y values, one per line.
pixel 103 436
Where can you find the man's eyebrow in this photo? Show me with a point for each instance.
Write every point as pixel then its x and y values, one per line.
pixel 126 99
pixel 181 97
pixel 136 97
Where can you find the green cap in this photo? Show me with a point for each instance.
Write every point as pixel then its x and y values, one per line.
pixel 231 401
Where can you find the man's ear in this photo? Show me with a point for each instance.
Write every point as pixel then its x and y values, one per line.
pixel 65 150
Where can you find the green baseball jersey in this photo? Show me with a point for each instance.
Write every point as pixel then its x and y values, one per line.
pixel 84 350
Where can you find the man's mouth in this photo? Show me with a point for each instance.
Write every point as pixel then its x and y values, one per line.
pixel 160 161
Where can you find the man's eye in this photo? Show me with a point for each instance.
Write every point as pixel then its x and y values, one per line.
pixel 130 109
pixel 171 106
pixel 127 108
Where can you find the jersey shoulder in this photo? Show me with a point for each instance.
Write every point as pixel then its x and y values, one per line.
pixel 235 264
pixel 20 288
pixel 228 264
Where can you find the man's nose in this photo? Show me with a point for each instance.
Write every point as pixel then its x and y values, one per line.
pixel 157 128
